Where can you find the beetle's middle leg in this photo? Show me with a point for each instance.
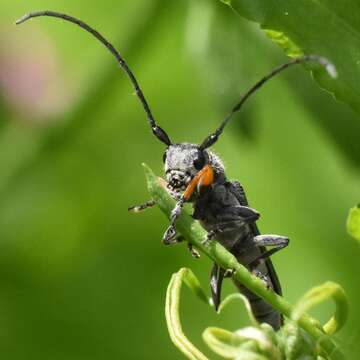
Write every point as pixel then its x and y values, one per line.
pixel 232 219
pixel 222 227
pixel 180 238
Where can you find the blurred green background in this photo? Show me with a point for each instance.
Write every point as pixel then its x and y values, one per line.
pixel 80 277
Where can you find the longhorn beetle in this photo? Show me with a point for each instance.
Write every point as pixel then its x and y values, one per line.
pixel 195 174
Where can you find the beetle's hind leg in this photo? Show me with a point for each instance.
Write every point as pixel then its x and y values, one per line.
pixel 216 278
pixel 279 242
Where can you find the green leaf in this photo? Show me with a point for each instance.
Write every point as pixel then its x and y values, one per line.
pixel 223 342
pixel 229 345
pixel 172 311
pixel 296 343
pixel 238 296
pixel 248 343
pixel 325 27
pixel 353 222
pixel 319 294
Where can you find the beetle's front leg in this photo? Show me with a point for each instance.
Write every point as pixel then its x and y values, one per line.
pixel 202 179
pixel 169 237
pixel 142 207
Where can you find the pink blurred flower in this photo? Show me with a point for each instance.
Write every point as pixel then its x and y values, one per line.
pixel 32 81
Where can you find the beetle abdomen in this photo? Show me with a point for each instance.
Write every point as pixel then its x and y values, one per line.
pixel 263 311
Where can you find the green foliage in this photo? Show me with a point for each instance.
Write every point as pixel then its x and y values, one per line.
pixel 324 27
pixel 83 279
pixel 172 311
pixel 353 222
pixel 258 341
pixel 319 294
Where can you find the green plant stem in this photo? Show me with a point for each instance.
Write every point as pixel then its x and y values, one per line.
pixel 195 234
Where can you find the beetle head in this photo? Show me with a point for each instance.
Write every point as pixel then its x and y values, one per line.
pixel 183 161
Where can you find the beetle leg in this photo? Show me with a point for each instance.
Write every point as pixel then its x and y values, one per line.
pixel 169 237
pixel 203 178
pixel 210 236
pixel 262 277
pixel 248 214
pixel 237 214
pixel 193 251
pixel 230 225
pixel 170 233
pixel 229 273
pixel 141 207
pixel 217 276
pixel 216 279
pixel 279 242
pixel 220 228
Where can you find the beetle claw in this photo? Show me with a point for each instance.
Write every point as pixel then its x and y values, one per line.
pixel 169 236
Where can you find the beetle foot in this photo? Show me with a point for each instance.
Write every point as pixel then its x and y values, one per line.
pixel 229 273
pixel 263 278
pixel 141 207
pixel 169 237
pixel 193 251
pixel 209 237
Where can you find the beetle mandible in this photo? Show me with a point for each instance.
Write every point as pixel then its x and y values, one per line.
pixel 195 174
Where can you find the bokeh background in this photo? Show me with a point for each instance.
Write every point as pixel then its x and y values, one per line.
pixel 80 277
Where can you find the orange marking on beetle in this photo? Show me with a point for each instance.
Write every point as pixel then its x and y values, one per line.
pixel 205 177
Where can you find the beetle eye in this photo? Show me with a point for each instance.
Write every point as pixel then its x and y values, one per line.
pixel 199 162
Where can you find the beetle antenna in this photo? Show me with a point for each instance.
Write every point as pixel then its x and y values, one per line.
pixel 157 130
pixel 329 67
